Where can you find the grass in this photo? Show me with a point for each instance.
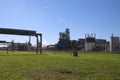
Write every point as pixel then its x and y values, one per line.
pixel 59 66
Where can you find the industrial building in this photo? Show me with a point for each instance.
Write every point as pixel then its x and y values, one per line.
pixel 107 46
pixel 89 43
pixel 114 44
pixel 64 40
pixel 4 45
pixel 101 44
pixel 81 44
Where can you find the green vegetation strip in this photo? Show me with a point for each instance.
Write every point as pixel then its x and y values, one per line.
pixel 59 66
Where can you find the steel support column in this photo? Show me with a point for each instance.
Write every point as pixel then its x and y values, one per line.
pixel 40 43
pixel 36 44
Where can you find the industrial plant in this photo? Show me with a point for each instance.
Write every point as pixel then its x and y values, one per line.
pixel 89 43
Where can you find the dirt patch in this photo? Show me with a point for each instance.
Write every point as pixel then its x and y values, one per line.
pixel 49 74
pixel 33 75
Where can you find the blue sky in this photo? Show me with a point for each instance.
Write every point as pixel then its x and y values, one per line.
pixel 50 17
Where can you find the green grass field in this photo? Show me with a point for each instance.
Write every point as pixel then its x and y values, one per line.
pixel 59 66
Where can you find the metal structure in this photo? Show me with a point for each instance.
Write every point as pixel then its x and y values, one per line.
pixel 25 33
pixel 89 42
pixel 64 40
pixel 81 44
pixel 101 44
pixel 5 43
pixel 114 44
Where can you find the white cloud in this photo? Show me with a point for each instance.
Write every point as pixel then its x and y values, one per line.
pixel 45 43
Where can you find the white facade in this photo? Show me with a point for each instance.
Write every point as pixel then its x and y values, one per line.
pixel 114 44
pixel 89 46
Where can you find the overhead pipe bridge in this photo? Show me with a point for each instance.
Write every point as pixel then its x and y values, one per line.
pixel 25 33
